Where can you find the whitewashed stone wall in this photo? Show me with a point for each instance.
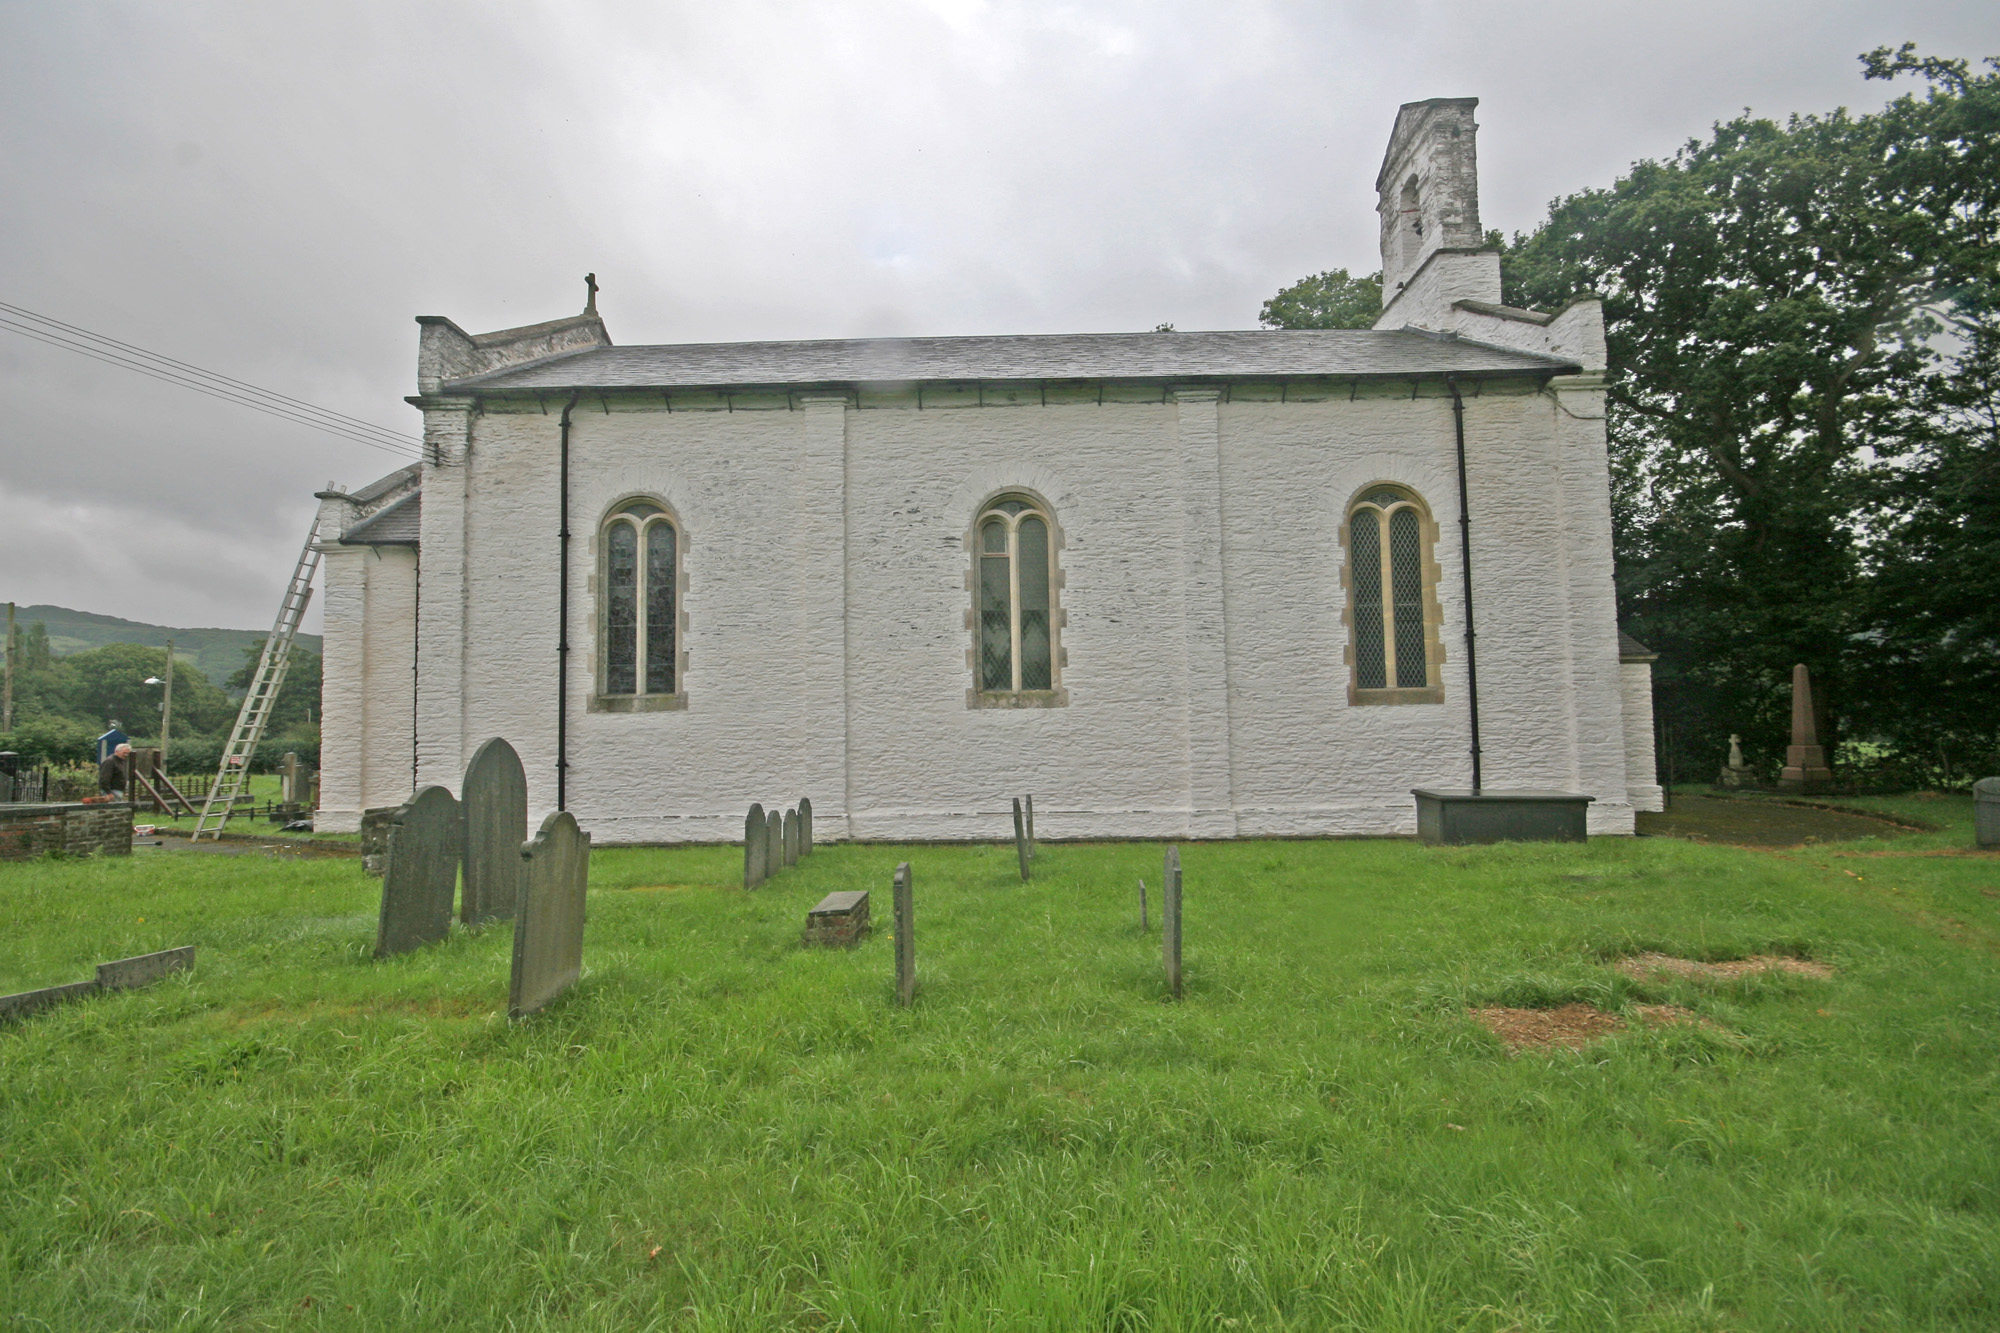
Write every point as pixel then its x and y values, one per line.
pixel 825 604
pixel 368 698
pixel 1641 778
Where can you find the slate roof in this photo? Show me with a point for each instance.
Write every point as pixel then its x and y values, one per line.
pixel 1250 354
pixel 397 524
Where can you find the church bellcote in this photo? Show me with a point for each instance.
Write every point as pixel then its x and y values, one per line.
pixel 1428 189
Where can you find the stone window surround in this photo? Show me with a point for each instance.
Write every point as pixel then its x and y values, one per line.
pixel 1432 692
pixel 600 702
pixel 1057 696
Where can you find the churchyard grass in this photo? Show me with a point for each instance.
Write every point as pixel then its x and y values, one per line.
pixel 721 1129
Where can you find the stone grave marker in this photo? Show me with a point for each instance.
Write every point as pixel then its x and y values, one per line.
pixel 805 826
pixel 129 973
pixel 548 926
pixel 1028 805
pixel 1020 840
pixel 1805 759
pixel 774 842
pixel 1170 921
pixel 1144 925
pixel 906 937
pixel 375 837
pixel 494 802
pixel 1986 812
pixel 791 837
pixel 755 844
pixel 420 872
pixel 840 920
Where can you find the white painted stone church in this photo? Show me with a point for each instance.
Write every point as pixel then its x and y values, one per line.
pixel 1189 585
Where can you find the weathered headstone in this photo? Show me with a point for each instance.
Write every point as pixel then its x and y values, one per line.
pixel 755 845
pixel 906 938
pixel 420 872
pixel 548 924
pixel 375 837
pixel 1020 840
pixel 1805 759
pixel 805 826
pixel 1170 921
pixel 791 837
pixel 840 920
pixel 130 973
pixel 494 800
pixel 1144 925
pixel 774 841
pixel 1986 812
pixel 1028 805
pixel 1735 771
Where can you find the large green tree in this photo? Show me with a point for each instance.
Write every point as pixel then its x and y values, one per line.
pixel 1804 349
pixel 109 683
pixel 1329 300
pixel 297 704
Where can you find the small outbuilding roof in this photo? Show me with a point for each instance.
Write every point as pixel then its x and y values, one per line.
pixel 1247 354
pixel 1631 650
pixel 396 524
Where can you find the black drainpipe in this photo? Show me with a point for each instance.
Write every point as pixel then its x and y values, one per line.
pixel 562 620
pixel 1465 565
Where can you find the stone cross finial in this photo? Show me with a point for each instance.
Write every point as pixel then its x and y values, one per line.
pixel 590 298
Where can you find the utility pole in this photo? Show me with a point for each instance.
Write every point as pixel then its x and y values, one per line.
pixel 167 708
pixel 7 701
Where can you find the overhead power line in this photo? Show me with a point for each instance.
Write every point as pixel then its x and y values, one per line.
pixel 165 368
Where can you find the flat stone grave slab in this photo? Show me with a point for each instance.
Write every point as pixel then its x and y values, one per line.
pixel 494 799
pixel 840 920
pixel 548 929
pixel 420 873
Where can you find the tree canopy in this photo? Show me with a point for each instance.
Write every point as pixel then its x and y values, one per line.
pixel 1803 345
pixel 1329 300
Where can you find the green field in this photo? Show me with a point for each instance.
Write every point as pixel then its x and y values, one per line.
pixel 721 1130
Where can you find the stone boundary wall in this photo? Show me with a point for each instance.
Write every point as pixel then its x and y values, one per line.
pixel 72 828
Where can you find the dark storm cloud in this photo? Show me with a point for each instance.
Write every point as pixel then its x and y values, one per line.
pixel 273 191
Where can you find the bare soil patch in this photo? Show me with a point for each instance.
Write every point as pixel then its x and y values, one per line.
pixel 1750 821
pixel 1646 966
pixel 1571 1027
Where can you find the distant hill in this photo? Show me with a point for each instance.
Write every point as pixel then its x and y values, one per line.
pixel 217 652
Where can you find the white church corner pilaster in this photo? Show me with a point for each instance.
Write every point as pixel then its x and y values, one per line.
pixel 821 530
pixel 1211 805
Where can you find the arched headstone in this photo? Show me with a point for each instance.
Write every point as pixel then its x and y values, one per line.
pixel 495 801
pixel 548 929
pixel 420 872
pixel 755 845
pixel 791 835
pixel 805 826
pixel 774 842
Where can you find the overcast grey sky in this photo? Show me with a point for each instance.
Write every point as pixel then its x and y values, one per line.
pixel 273 191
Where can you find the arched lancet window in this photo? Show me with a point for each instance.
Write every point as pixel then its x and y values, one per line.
pixel 640 604
pixel 1393 615
pixel 1016 623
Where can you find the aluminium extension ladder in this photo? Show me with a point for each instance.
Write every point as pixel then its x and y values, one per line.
pixel 232 779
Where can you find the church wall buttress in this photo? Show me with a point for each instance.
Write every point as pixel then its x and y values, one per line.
pixel 441 598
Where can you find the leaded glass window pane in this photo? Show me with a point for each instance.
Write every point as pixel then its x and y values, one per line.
pixel 996 629
pixel 1032 543
pixel 1406 580
pixel 993 538
pixel 1370 667
pixel 660 609
pixel 621 609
